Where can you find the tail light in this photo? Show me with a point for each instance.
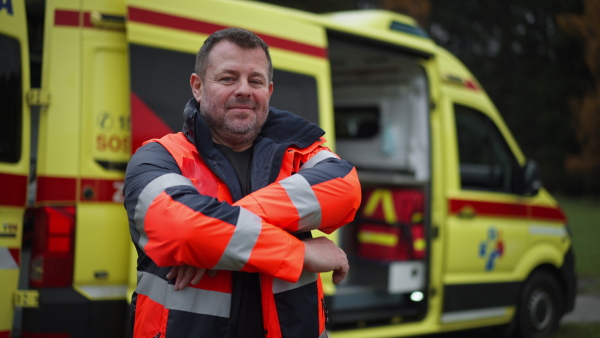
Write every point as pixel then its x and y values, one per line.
pixel 53 247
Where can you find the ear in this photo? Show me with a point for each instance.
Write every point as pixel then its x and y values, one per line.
pixel 270 89
pixel 196 84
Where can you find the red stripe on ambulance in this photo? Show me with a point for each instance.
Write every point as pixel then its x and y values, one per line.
pixel 64 190
pixel 496 209
pixel 71 18
pixel 153 125
pixel 203 27
pixel 14 189
pixel 56 189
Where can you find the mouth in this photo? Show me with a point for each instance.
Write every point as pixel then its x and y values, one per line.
pixel 240 107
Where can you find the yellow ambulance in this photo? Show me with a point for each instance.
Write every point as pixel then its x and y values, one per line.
pixel 455 230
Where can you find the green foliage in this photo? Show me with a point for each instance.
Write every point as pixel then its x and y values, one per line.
pixel 579 330
pixel 584 220
pixel 529 67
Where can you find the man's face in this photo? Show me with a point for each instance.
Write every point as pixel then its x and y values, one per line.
pixel 234 95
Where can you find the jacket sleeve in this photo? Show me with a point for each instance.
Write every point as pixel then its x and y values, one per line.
pixel 324 194
pixel 174 224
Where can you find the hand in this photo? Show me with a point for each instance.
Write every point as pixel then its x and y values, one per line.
pixel 322 255
pixel 185 274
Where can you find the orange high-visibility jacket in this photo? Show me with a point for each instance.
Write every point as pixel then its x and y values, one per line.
pixel 185 206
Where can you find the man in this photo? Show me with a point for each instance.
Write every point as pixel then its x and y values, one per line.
pixel 237 193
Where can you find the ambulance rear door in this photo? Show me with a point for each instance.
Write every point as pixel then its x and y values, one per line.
pixel 163 41
pixel 14 150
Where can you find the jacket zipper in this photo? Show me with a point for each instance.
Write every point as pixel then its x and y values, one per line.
pixel 325 311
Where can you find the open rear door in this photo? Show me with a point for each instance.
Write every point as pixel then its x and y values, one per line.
pixel 163 41
pixel 14 150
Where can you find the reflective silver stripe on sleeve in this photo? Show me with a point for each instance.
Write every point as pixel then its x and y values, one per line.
pixel 190 299
pixel 301 194
pixel 242 242
pixel 305 278
pixel 153 189
pixel 318 157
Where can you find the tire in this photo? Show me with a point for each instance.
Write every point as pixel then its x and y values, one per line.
pixel 540 306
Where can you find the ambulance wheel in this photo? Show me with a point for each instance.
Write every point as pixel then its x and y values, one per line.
pixel 540 306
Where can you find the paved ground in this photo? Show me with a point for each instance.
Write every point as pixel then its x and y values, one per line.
pixel 587 310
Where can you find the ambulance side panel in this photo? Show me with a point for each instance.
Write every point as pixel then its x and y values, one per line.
pixel 14 151
pixel 496 231
pixel 418 127
pixel 80 252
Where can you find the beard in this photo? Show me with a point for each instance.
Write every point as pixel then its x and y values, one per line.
pixel 234 128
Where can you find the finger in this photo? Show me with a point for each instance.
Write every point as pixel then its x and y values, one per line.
pixel 338 276
pixel 340 273
pixel 343 255
pixel 198 275
pixel 173 272
pixel 180 275
pixel 190 271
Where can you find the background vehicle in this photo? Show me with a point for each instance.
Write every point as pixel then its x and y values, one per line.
pixel 455 230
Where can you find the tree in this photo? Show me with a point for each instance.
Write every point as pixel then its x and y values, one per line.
pixel 529 67
pixel 586 110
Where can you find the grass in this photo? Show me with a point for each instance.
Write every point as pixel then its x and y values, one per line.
pixel 584 220
pixel 578 330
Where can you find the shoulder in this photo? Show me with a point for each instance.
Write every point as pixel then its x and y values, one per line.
pixel 285 127
pixel 151 155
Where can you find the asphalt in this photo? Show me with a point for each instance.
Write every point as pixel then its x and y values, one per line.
pixel 587 310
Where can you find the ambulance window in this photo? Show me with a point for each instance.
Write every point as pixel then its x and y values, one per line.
pixel 356 122
pixel 486 162
pixel 296 93
pixel 160 78
pixel 10 99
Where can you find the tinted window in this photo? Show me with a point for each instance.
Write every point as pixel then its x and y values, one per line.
pixel 10 100
pixel 356 122
pixel 160 78
pixel 296 93
pixel 486 162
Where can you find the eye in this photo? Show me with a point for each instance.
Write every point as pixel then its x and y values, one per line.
pixel 257 82
pixel 227 79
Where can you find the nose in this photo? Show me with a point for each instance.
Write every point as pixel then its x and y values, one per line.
pixel 243 89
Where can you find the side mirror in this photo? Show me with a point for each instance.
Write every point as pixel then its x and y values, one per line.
pixel 531 178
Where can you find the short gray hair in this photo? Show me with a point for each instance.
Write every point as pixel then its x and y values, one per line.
pixel 240 37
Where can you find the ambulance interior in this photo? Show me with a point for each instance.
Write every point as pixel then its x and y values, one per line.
pixel 381 123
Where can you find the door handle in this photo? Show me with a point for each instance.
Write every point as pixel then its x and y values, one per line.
pixel 467 212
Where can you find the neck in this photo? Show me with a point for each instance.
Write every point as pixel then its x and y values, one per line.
pixel 241 145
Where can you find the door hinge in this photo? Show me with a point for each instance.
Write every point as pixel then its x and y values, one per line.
pixel 26 298
pixel 38 97
pixel 435 232
pixel 107 21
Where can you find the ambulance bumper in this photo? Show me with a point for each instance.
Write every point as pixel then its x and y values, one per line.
pixel 64 310
pixel 569 280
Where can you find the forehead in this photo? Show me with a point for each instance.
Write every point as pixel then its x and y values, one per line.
pixel 226 55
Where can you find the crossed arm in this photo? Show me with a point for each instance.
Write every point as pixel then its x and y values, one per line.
pixel 324 195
